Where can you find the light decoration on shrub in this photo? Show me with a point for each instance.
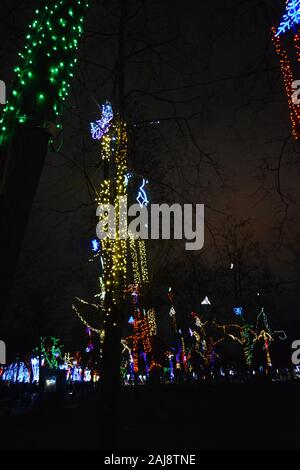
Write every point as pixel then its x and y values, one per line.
pixel 46 66
pixel 285 38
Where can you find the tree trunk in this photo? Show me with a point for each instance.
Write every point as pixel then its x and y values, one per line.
pixel 19 179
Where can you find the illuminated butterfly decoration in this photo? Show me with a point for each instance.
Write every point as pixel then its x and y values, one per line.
pixel 101 127
pixel 238 311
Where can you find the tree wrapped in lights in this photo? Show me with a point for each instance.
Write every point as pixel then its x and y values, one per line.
pixel 144 328
pixel 267 336
pixel 244 335
pixel 205 343
pixel 46 66
pixel 43 76
pixel 286 38
pixel 122 256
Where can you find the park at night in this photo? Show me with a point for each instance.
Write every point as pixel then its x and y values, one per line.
pixel 149 215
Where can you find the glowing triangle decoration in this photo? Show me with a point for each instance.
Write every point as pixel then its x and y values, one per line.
pixel 206 301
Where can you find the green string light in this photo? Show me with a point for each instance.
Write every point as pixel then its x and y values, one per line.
pixel 46 65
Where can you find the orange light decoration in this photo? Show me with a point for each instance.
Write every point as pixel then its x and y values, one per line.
pixel 141 334
pixel 267 339
pixel 288 77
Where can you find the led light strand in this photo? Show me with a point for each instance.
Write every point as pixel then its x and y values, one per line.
pixel 46 66
pixel 288 79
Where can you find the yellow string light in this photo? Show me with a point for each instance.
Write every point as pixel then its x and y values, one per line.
pixel 152 322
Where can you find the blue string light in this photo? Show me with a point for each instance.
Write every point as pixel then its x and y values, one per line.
pixel 291 17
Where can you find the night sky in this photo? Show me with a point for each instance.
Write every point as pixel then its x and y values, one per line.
pixel 208 72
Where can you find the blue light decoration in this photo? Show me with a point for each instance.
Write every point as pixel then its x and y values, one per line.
pixel 238 311
pixel 95 245
pixel 16 372
pixel 35 367
pixel 131 320
pixel 101 127
pixel 87 375
pixel 76 374
pixel 128 177
pixel 142 197
pixel 290 18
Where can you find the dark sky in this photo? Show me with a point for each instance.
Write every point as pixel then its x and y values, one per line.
pixel 212 66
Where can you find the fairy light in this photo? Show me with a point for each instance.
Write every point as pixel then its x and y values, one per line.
pixel 46 65
pixel 143 261
pixel 291 19
pixel 141 334
pixel 152 322
pixel 101 332
pixel 114 250
pixel 134 261
pixel 247 344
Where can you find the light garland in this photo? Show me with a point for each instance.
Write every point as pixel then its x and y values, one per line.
pixel 267 339
pixel 114 250
pixel 46 66
pixel 152 322
pixel 288 78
